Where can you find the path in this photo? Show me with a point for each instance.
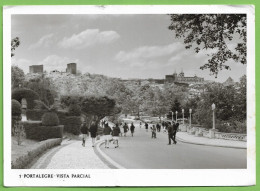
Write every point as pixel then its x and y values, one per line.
pixel 70 155
pixel 142 152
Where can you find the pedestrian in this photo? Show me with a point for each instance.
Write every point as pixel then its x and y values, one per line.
pixel 146 126
pixel 93 132
pixel 84 131
pixel 116 131
pixel 126 128
pixel 132 129
pixel 140 124
pixel 175 129
pixel 158 127
pixel 153 131
pixel 107 133
pixel 170 133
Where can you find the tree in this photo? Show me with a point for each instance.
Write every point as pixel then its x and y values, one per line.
pixel 215 32
pixel 240 100
pixel 15 42
pixel 30 95
pixel 17 76
pixel 44 87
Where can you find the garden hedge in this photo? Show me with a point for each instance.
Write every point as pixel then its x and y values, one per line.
pixel 16 108
pixel 30 95
pixel 72 124
pixel 34 114
pixel 35 130
pixel 22 161
pixel 50 119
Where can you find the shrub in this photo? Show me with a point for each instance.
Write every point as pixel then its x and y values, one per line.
pixel 62 114
pixel 34 114
pixel 35 130
pixel 72 125
pixel 16 108
pixel 30 95
pixel 50 119
pixel 21 162
pixel 19 132
pixel 74 110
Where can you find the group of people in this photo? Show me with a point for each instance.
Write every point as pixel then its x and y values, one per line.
pixel 92 130
pixel 114 133
pixel 171 127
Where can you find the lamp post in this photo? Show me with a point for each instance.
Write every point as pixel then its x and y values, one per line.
pixel 172 115
pixel 190 110
pixel 213 109
pixel 176 115
pixel 182 116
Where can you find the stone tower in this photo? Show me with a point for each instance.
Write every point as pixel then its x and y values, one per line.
pixel 71 68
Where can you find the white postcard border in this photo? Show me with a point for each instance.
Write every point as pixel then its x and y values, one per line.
pixel 128 177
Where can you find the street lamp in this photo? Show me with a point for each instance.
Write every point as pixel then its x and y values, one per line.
pixel 182 116
pixel 172 115
pixel 190 110
pixel 176 116
pixel 213 106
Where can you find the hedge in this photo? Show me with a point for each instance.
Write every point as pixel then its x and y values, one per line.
pixel 62 114
pixel 30 95
pixel 72 124
pixel 22 161
pixel 50 119
pixel 35 130
pixel 16 108
pixel 34 114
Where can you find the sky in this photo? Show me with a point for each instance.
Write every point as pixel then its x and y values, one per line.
pixel 124 46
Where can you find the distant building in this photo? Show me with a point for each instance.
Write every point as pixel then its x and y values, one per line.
pixel 71 68
pixel 36 69
pixel 175 78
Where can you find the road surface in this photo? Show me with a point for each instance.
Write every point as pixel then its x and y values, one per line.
pixel 143 152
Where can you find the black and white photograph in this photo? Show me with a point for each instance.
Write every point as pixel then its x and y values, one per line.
pixel 135 95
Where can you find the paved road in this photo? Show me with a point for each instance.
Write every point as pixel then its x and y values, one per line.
pixel 143 152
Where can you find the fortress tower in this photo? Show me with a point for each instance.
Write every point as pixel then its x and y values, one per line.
pixel 71 68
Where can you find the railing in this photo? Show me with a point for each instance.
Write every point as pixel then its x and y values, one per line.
pixel 231 136
pixel 199 131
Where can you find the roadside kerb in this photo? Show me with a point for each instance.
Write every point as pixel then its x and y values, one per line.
pixel 107 158
pixel 209 144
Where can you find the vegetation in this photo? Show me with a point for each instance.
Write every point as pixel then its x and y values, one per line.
pixel 50 118
pixel 213 32
pixel 30 95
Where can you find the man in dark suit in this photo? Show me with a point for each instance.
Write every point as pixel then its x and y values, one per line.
pixel 175 129
pixel 170 132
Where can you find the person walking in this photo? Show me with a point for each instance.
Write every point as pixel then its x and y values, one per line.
pixel 132 129
pixel 115 133
pixel 107 133
pixel 146 126
pixel 158 127
pixel 84 131
pixel 153 131
pixel 175 129
pixel 170 132
pixel 126 128
pixel 93 132
pixel 140 125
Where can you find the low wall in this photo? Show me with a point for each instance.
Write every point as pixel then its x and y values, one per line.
pixel 22 161
pixel 203 132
